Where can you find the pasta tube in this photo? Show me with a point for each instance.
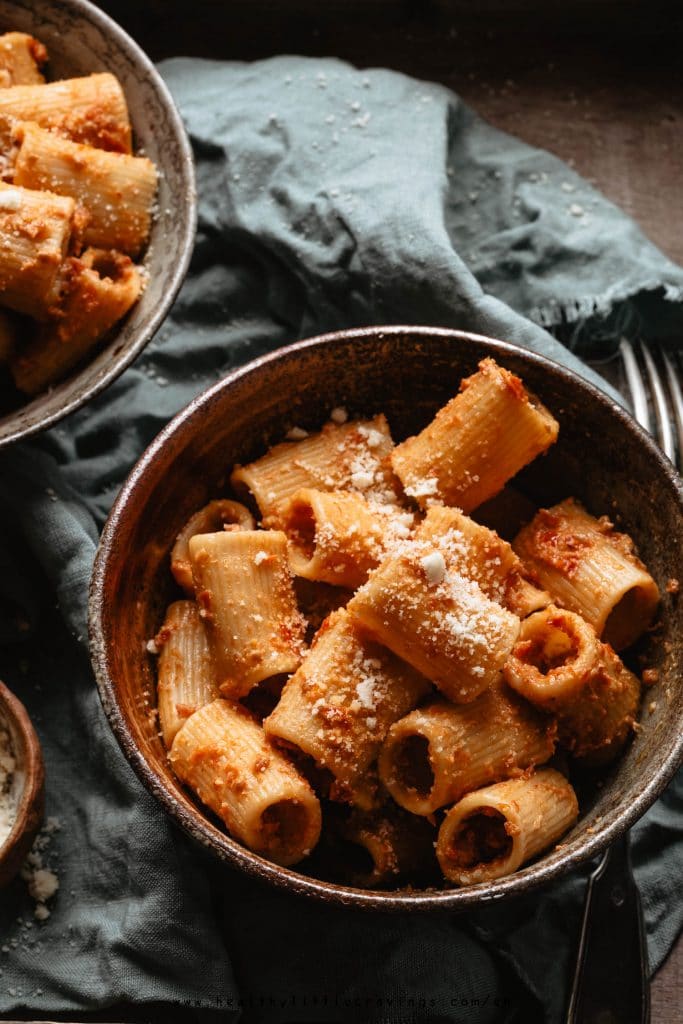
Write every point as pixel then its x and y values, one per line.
pixel 223 755
pixel 381 849
pixel 35 230
pixel 438 621
pixel 590 569
pixel 339 704
pixel 186 679
pixel 246 599
pixel 214 517
pixel 342 457
pixel 338 537
pixel 481 555
pixel 476 442
pixel 438 753
pixel 21 58
pixel 97 290
pixel 117 190
pixel 493 831
pixel 559 665
pixel 91 110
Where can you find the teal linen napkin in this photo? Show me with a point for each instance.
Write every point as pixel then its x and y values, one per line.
pixel 329 197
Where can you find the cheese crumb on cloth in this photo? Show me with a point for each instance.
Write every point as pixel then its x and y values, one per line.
pixel 327 197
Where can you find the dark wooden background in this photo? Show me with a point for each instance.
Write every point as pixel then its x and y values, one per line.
pixel 598 82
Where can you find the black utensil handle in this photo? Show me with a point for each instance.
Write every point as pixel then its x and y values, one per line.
pixel 611 982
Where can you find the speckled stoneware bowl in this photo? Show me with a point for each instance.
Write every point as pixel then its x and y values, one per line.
pixel 28 787
pixel 602 456
pixel 82 39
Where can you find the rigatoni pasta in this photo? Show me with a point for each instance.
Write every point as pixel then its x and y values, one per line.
pixel 442 750
pixel 186 676
pixel 97 289
pixel 481 555
pixel 438 621
pixel 244 590
pixel 591 569
pixel 337 537
pixel 343 456
pixel 75 207
pixel 560 665
pixel 477 442
pixel 35 233
pixel 493 831
pixel 339 704
pixel 214 517
pixel 440 677
pixel 91 110
pixel 21 60
pixel 223 754
pixel 116 189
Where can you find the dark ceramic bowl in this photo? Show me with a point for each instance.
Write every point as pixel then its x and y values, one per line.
pixel 28 788
pixel 602 456
pixel 81 39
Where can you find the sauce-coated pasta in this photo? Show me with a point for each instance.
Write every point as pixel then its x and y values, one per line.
pixel 436 700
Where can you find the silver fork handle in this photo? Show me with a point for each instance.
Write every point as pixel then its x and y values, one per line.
pixel 611 981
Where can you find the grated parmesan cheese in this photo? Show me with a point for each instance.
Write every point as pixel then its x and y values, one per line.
pixel 362 479
pixel 41 880
pixel 425 488
pixel 366 693
pixel 296 434
pixel 365 470
pixel 43 884
pixel 374 438
pixel 8 808
pixel 260 556
pixel 10 199
pixel 434 566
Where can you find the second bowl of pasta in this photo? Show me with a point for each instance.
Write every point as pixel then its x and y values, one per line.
pixel 97 208
pixel 374 622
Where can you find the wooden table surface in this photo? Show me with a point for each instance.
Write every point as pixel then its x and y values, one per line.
pixel 598 82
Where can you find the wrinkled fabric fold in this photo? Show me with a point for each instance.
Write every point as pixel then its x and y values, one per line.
pixel 328 197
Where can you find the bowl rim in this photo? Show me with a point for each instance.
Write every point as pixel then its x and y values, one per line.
pixel 29 811
pixel 118 363
pixel 220 843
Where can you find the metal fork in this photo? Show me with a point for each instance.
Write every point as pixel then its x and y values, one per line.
pixel 611 981
pixel 660 378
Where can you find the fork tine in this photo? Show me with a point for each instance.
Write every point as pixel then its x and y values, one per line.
pixel 634 379
pixel 676 399
pixel 659 402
